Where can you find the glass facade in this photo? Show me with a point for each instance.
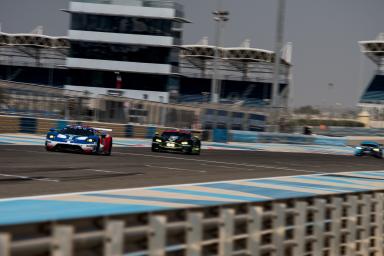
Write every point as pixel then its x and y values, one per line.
pixel 375 90
pixel 34 75
pixel 152 27
pixel 144 3
pixel 107 79
pixel 120 52
pixel 122 25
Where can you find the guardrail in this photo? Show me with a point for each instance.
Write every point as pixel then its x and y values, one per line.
pixel 344 224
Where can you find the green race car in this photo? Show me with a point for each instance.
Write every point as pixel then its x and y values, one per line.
pixel 176 141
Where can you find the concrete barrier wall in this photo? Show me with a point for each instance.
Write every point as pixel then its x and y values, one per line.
pixel 265 137
pixel 14 124
pixel 9 124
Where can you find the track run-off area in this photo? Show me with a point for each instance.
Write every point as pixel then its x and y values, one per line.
pixel 37 185
pixel 30 170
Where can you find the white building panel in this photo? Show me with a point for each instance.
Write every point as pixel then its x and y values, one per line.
pixel 121 66
pixel 120 38
pixel 122 10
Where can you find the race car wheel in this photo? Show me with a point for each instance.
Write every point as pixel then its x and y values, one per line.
pixel 48 149
pixel 155 149
pixel 197 151
pixel 108 153
pixel 98 147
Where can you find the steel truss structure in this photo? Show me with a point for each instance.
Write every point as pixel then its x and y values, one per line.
pixel 372 99
pixel 236 63
pixel 374 50
pixel 32 50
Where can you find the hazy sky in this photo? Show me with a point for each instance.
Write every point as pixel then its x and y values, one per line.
pixel 324 34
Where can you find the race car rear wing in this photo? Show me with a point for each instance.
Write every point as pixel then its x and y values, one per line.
pixel 103 129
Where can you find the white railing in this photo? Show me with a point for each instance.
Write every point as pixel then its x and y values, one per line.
pixel 349 224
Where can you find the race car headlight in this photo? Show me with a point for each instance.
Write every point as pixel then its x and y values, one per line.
pixel 376 149
pixel 90 140
pixel 359 148
pixel 51 136
pixel 158 140
pixel 184 143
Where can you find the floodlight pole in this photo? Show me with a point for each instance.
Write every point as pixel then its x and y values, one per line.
pixel 276 73
pixel 219 17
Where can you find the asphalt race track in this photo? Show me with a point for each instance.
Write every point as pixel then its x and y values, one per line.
pixel 30 170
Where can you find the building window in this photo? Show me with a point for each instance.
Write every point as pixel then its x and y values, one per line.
pixel 120 52
pixel 123 25
pixel 107 79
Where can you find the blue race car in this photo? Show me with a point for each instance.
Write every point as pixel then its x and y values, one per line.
pixel 81 139
pixel 369 148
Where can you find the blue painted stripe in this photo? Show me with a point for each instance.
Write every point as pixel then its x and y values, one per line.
pixel 273 193
pixel 22 137
pixel 341 180
pixel 374 174
pixel 210 194
pixel 304 185
pixel 30 211
pixel 11 141
pixel 129 131
pixel 158 199
pixel 150 132
pixel 220 135
pixel 27 124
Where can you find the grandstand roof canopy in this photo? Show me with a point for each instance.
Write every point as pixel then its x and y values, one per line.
pixel 241 54
pixel 374 49
pixel 35 40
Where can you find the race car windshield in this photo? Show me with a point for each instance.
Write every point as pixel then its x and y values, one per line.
pixel 75 131
pixel 176 136
pixel 369 145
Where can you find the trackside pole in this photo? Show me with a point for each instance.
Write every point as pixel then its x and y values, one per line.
pixel 157 235
pixel 319 226
pixel 254 230
pixel 226 231
pixel 300 219
pixel 279 228
pixel 114 238
pixel 365 223
pixel 336 216
pixel 194 233
pixel 379 230
pixel 62 242
pixel 351 225
pixel 5 244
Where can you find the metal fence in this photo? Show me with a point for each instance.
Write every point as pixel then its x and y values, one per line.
pixel 50 102
pixel 342 225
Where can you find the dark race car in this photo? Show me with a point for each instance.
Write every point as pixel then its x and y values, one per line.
pixel 369 148
pixel 80 139
pixel 176 140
